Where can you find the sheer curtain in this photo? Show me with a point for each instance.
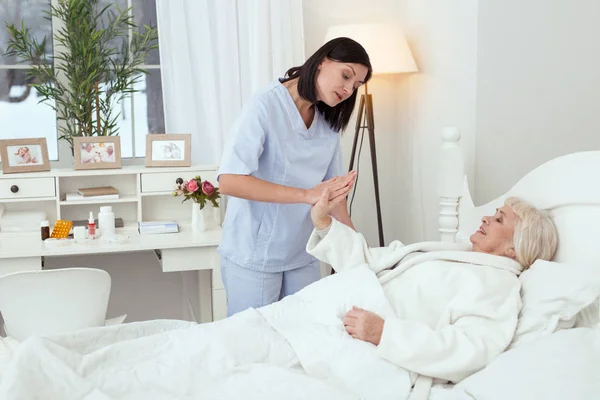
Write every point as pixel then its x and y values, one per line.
pixel 214 55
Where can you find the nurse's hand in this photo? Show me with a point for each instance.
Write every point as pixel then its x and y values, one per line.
pixel 338 186
pixel 319 213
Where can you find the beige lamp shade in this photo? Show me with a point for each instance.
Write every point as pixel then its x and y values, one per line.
pixel 385 44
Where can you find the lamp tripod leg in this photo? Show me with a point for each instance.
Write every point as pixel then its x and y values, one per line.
pixel 361 109
pixel 371 129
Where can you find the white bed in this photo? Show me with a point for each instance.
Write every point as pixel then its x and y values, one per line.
pixel 171 359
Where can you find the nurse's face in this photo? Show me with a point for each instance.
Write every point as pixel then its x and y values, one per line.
pixel 336 81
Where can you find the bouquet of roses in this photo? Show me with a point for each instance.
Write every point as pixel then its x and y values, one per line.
pixel 197 190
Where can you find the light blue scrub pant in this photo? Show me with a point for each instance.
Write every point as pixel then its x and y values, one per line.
pixel 247 288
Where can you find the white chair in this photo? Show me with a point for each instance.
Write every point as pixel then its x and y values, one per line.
pixel 36 303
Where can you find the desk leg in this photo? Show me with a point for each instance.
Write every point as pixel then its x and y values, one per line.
pixel 9 265
pixel 205 292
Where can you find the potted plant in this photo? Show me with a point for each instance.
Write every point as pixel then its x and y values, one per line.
pixel 200 192
pixel 97 68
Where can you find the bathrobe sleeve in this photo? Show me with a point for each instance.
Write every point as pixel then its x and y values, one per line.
pixel 343 248
pixel 481 325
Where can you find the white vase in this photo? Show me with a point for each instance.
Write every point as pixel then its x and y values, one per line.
pixel 202 219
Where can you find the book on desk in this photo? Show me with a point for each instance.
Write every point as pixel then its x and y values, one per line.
pixel 93 193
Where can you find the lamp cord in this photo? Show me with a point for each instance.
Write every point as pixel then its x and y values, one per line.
pixel 362 136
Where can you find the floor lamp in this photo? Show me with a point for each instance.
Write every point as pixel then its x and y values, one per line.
pixel 389 54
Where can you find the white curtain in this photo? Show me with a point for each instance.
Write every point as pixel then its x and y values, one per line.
pixel 214 55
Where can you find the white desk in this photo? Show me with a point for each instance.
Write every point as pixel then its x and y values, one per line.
pixel 145 194
pixel 184 251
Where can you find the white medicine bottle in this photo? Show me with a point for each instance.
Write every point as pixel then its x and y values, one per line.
pixel 106 221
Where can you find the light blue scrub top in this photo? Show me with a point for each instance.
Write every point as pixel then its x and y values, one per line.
pixel 271 142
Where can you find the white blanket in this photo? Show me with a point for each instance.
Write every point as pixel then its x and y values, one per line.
pixel 240 357
pixel 312 323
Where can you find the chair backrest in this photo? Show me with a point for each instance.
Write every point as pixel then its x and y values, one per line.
pixel 36 303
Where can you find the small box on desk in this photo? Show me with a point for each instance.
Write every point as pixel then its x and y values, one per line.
pixel 156 227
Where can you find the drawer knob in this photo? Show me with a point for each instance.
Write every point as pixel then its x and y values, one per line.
pixel 14 188
pixel 179 181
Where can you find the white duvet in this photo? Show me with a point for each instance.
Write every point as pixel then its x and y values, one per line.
pixel 293 349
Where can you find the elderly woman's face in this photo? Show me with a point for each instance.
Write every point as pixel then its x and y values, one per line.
pixel 495 235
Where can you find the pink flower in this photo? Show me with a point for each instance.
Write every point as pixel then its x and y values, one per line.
pixel 207 188
pixel 192 186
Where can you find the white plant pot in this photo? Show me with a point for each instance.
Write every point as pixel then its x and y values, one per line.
pixel 202 219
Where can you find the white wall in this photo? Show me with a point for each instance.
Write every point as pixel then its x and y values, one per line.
pixel 538 87
pixel 443 37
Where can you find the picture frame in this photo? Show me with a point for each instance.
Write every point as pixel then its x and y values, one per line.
pixel 97 152
pixel 24 155
pixel 168 150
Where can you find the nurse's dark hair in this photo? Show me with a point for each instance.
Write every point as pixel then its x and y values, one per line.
pixel 341 50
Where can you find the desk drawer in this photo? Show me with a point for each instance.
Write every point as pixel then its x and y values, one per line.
pixel 27 187
pixel 165 181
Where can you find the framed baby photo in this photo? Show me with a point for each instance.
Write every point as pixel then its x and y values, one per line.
pixel 97 152
pixel 168 150
pixel 24 155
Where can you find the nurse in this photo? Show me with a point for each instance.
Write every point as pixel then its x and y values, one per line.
pixel 283 151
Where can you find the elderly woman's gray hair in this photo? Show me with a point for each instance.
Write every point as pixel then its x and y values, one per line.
pixel 535 234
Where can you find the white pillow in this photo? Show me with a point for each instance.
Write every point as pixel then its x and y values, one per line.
pixel 553 294
pixel 564 365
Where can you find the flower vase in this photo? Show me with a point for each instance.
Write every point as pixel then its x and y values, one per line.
pixel 201 217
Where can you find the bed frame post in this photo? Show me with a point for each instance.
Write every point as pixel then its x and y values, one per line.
pixel 451 176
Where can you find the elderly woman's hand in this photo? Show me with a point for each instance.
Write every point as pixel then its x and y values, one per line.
pixel 319 213
pixel 364 325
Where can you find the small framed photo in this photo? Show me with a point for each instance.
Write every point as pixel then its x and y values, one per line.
pixel 97 152
pixel 24 155
pixel 168 150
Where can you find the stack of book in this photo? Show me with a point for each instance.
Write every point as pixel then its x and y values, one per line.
pixel 94 193
pixel 154 227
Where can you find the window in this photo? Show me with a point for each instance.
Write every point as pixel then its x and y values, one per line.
pixel 22 116
pixel 143 113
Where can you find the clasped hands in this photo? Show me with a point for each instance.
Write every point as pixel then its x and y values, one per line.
pixel 326 196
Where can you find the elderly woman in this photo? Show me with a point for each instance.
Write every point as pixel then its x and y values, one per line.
pixel 456 305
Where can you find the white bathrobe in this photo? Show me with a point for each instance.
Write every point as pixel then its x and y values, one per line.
pixel 456 310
